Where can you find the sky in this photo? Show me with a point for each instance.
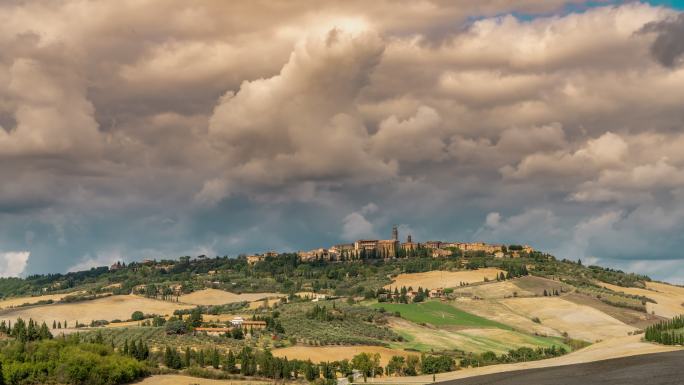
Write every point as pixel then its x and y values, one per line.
pixel 161 128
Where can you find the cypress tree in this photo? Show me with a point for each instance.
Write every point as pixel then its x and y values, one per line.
pixel 229 365
pixel 187 357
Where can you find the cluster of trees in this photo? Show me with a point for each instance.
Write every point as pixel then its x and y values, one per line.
pixel 178 325
pixel 515 270
pixel 251 362
pixel 322 313
pixel 158 291
pixel 522 354
pixel 426 364
pixel 214 309
pixel 26 332
pixel 668 332
pixel 273 323
pixel 247 362
pixel 401 295
pixel 140 350
pixel 66 360
pixel 551 293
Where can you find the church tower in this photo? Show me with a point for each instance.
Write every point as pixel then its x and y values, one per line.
pixel 395 233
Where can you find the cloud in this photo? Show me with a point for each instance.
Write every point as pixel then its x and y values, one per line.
pixel 302 124
pixel 535 226
pixel 212 192
pixel 89 262
pixel 236 127
pixel 356 226
pixel 52 114
pixel 13 263
pixel 668 46
pixel 422 131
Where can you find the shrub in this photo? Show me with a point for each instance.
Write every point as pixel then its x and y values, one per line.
pixel 137 316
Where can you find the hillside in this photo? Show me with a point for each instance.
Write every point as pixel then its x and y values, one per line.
pixel 448 313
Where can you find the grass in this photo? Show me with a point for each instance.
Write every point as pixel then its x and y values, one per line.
pixel 439 314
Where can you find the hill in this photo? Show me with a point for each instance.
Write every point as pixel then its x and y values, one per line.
pixel 448 313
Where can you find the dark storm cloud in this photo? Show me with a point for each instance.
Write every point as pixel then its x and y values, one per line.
pixel 668 46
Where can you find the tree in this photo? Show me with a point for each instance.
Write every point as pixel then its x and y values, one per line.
pixel 412 363
pixel 229 365
pixel 187 357
pixel 366 364
pixel 395 365
pixel 175 327
pixel 137 316
pixel 311 371
pixel 2 377
pixel 194 319
pixel 172 359
pixel 44 332
pixel 200 358
pixel 237 333
pixel 215 359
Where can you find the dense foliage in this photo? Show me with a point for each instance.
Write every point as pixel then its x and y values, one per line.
pixel 66 361
pixel 522 354
pixel 669 332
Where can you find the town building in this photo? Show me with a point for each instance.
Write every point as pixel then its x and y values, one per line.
pixel 255 325
pixel 409 245
pixel 440 253
pixel 252 259
pixel 433 244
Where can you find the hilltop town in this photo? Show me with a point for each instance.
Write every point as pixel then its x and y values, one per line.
pixel 394 248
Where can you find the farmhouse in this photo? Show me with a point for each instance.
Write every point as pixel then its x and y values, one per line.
pixel 256 325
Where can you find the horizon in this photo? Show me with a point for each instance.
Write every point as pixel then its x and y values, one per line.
pixel 220 128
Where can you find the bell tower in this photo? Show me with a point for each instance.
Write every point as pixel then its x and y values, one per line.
pixel 395 233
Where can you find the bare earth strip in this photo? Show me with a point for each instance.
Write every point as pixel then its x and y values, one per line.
pixel 443 279
pixel 332 353
pixel 579 321
pixel 173 379
pixel 108 308
pixel 220 297
pixel 613 348
pixel 669 298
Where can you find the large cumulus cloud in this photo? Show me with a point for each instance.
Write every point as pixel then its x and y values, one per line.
pixel 142 129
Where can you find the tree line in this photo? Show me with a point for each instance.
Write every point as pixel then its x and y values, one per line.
pixel 667 332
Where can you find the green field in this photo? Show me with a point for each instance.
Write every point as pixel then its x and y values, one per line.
pixel 439 314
